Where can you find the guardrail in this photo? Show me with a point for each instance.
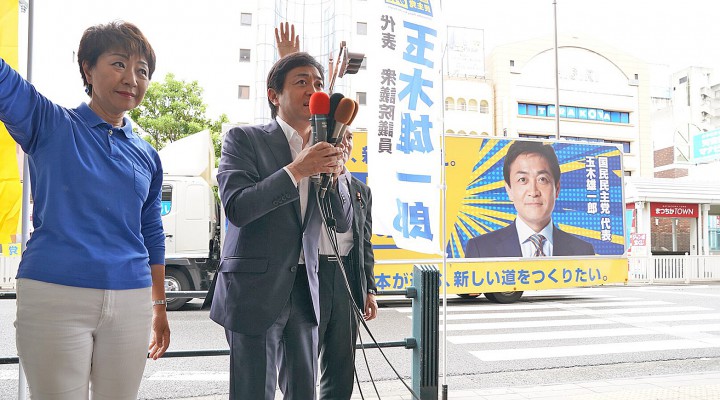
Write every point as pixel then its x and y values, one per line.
pixel 685 268
pixel 8 270
pixel 424 343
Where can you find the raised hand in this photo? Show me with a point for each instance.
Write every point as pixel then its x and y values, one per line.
pixel 286 40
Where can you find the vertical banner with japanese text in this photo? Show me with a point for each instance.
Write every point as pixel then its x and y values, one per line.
pixel 10 186
pixel 404 135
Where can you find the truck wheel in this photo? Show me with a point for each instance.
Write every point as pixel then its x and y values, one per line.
pixel 469 295
pixel 504 297
pixel 176 281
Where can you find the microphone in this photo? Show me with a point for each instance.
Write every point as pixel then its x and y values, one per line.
pixel 344 114
pixel 319 108
pixel 334 101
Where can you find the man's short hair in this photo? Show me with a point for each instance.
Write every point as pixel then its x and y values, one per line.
pixel 528 147
pixel 278 72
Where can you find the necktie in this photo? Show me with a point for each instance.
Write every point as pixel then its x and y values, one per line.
pixel 538 241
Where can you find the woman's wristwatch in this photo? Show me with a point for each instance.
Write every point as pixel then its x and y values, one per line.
pixel 160 302
pixel 372 291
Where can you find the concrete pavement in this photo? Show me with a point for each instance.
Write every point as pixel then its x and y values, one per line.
pixel 694 386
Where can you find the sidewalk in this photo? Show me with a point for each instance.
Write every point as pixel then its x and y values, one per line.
pixel 696 386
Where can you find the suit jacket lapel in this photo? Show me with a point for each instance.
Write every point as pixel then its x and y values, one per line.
pixel 511 243
pixel 280 148
pixel 357 203
pixel 311 205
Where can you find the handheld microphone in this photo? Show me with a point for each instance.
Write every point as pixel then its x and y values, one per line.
pixel 334 101
pixel 319 108
pixel 344 114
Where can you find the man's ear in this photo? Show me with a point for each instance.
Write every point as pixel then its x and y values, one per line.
pixel 557 190
pixel 508 191
pixel 273 96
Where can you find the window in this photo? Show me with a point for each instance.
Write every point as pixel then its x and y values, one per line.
pixel 362 28
pixel 243 92
pixel 473 105
pixel 364 63
pixel 461 105
pixel 166 200
pixel 449 104
pixel 244 55
pixel 245 19
pixel 530 136
pixel 484 108
pixel 361 98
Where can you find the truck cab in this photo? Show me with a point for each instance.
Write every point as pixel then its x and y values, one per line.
pixel 190 220
pixel 190 215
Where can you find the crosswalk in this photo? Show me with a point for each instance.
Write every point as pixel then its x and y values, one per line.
pixel 594 324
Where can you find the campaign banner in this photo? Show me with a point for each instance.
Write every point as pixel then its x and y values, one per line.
pixel 498 275
pixel 404 136
pixel 10 186
pixel 585 207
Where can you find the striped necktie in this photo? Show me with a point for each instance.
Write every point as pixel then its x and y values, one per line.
pixel 538 241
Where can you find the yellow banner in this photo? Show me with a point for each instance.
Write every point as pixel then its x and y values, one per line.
pixel 502 275
pixel 10 186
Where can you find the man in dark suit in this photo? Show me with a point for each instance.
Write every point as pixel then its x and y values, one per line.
pixel 338 325
pixel 266 296
pixel 532 180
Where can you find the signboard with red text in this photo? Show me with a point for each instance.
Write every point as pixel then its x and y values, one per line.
pixel 674 210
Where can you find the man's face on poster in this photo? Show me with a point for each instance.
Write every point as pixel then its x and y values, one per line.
pixel 532 189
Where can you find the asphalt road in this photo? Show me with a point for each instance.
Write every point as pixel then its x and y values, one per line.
pixel 548 337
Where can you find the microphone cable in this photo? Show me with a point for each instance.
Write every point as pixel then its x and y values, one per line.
pixel 327 215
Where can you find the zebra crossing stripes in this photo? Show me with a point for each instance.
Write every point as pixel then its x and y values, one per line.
pixel 572 313
pixel 192 376
pixel 591 326
pixel 580 322
pixel 592 349
pixel 539 306
pixel 581 334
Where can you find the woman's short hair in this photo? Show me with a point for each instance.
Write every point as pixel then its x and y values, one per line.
pixel 278 72
pixel 116 35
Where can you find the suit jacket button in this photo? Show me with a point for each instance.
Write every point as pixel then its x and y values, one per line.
pixel 293 268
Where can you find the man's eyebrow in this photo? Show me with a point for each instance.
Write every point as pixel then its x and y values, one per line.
pixel 307 75
pixel 540 171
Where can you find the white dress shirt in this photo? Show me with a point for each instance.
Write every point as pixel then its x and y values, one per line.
pixel 524 233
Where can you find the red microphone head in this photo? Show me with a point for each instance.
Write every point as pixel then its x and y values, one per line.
pixel 319 103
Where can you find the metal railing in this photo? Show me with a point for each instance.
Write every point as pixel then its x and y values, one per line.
pixel 424 343
pixel 8 270
pixel 683 269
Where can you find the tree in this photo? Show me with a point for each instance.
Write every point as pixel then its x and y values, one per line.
pixel 173 109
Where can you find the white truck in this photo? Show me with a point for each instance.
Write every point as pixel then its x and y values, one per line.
pixel 191 215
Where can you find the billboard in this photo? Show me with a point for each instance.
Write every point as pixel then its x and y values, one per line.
pixel 10 186
pixel 589 206
pixel 705 146
pixel 586 204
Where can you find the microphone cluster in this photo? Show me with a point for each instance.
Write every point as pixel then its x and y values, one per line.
pixel 330 116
